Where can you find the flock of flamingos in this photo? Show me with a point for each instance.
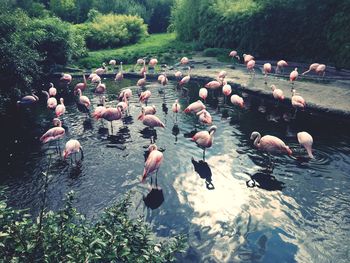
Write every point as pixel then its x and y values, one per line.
pixel 204 139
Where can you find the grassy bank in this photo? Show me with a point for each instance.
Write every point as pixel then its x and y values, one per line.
pixel 165 47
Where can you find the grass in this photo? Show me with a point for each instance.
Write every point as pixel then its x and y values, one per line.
pixel 165 47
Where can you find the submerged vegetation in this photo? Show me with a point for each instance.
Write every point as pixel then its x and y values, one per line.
pixel 294 30
pixel 67 236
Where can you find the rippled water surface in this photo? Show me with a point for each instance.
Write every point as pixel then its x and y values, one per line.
pixel 243 212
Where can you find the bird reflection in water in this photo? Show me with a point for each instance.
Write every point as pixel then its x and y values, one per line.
pixel 87 124
pixel 120 137
pixel 175 131
pixel 204 171
pixel 155 197
pixel 265 180
pixel 149 133
pixel 76 170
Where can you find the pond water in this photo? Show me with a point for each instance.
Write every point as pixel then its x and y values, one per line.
pixel 297 212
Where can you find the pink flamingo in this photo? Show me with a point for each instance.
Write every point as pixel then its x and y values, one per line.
pixel 204 139
pixel 277 93
pixel 151 120
pixel 83 99
pixel 119 76
pixel 237 100
pixel 280 65
pixel 142 82
pixel 270 144
pixel 247 58
pixel 96 79
pixel 140 61
pixel 123 105
pixel 195 107
pixel 250 66
pixel 298 102
pixel 184 61
pixel 73 147
pixel 143 69
pixel 145 96
pixel 222 74
pixel 203 93
pixel 205 117
pixel 234 54
pixel 102 70
pixel 52 90
pixel 161 77
pixel 267 69
pixel 149 110
pixel 312 67
pixel 92 75
pixel 164 80
pixel 109 114
pixel 100 88
pixel 214 84
pixel 60 108
pixel 127 93
pixel 51 101
pixel 66 78
pixel 321 69
pixel 186 79
pixel 293 76
pixel 153 62
pixel 153 162
pixel 112 62
pixel 178 74
pixel 54 134
pixel 82 85
pixel 306 140
pixel 226 89
pixel 176 108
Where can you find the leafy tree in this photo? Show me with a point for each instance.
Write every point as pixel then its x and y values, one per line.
pixel 65 9
pixel 18 61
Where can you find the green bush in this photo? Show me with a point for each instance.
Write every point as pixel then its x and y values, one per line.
pixel 107 31
pixel 309 31
pixel 30 48
pixel 56 41
pixel 66 236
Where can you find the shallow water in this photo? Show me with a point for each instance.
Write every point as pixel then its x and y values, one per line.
pixel 297 212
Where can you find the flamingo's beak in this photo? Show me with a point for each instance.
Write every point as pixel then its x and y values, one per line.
pixel 140 116
pixel 65 154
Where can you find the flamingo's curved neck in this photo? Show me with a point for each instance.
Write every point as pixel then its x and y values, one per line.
pixel 257 140
pixel 84 80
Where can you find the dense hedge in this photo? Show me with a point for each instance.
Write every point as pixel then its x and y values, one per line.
pixel 108 31
pixel 313 30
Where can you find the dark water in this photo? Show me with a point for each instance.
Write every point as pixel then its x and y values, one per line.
pixel 298 212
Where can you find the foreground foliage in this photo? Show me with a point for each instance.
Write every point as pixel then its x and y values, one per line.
pixel 66 236
pixel 310 31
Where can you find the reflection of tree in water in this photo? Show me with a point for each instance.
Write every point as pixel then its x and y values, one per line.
pixel 204 171
pixel 265 180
